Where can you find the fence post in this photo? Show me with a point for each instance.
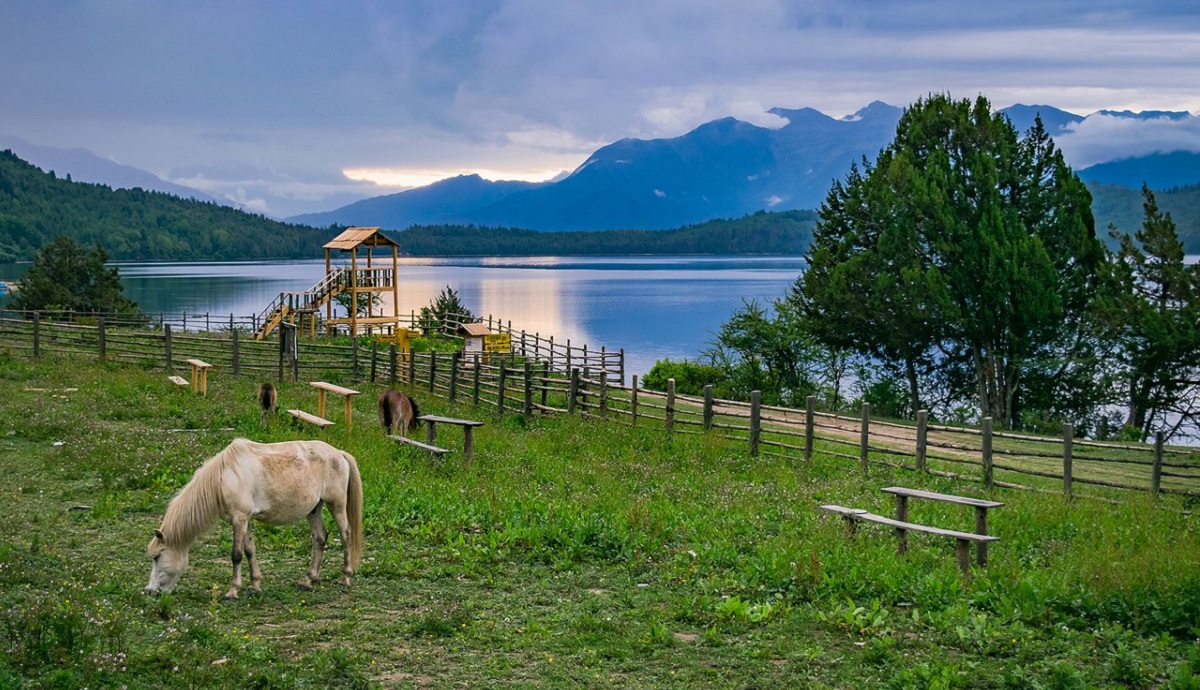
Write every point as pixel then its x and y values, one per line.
pixel 100 338
pixel 167 345
pixel 392 356
pixel 670 405
pixel 922 438
pixel 633 402
pixel 755 421
pixel 810 405
pixel 987 452
pixel 500 387
pixel 374 358
pixel 708 407
pixel 432 368
pixel 572 390
pixel 545 380
pixel 1068 443
pixel 37 334
pixel 1156 470
pixel 454 361
pixel 864 438
pixel 236 359
pixel 621 364
pixel 475 382
pixel 528 387
pixel 583 386
pixel 603 394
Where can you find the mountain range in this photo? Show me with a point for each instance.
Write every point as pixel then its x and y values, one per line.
pixel 725 168
pixel 722 169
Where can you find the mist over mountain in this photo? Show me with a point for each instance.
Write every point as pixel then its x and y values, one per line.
pixel 84 166
pixel 728 168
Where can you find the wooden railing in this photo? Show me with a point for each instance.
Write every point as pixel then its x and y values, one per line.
pixel 522 383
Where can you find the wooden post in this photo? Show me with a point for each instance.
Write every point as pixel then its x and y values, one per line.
pixel 1156 470
pixel 863 439
pixel 708 407
pixel 633 402
pixel 500 387
pixel 981 527
pixel 374 358
pixel 902 516
pixel 236 353
pixel 755 421
pixel 1068 443
pixel 987 452
pixel 670 405
pixel 37 334
pixel 432 368
pixel 922 438
pixel 545 379
pixel 392 356
pixel 100 338
pixel 475 375
pixel 528 386
pixel 810 404
pixel 353 354
pixel 604 394
pixel 621 363
pixel 167 345
pixel 572 390
pixel 455 359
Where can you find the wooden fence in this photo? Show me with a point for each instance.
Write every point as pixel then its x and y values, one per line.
pixel 538 379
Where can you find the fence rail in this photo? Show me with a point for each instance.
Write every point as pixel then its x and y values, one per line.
pixel 541 376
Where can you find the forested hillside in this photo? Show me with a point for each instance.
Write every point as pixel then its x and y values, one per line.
pixel 760 233
pixel 1122 208
pixel 36 207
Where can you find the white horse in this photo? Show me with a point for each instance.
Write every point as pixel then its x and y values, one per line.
pixel 275 483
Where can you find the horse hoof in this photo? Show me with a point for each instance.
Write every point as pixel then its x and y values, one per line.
pixel 304 585
pixel 231 595
pixel 345 582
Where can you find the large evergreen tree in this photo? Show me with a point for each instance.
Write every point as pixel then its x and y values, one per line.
pixel 966 249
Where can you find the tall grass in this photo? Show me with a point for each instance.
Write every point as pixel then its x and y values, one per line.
pixel 569 552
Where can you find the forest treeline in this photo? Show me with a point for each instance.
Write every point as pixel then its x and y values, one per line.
pixel 788 232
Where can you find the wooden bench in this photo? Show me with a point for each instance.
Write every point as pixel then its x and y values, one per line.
pixel 200 375
pixel 179 381
pixel 310 418
pixel 980 505
pixel 323 387
pixel 404 440
pixel 467 425
pixel 963 540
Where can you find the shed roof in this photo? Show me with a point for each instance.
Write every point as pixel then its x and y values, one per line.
pixel 352 238
pixel 473 329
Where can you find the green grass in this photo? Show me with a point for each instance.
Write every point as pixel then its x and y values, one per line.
pixel 570 553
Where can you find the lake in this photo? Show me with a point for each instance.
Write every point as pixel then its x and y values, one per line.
pixel 652 307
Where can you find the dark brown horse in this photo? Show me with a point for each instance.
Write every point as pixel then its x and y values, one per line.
pixel 268 401
pixel 397 411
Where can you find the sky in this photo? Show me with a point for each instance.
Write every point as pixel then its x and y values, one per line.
pixel 289 107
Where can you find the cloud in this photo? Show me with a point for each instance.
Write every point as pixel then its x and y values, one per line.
pixel 1100 138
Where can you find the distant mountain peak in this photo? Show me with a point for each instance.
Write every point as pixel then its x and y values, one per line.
pixel 872 111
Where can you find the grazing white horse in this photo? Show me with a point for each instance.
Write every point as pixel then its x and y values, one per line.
pixel 397 411
pixel 275 483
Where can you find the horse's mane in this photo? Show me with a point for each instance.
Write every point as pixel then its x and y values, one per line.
pixel 201 501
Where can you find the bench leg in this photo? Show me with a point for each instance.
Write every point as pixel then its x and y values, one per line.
pixel 468 442
pixel 851 526
pixel 962 552
pixel 902 516
pixel 981 549
pixel 347 414
pixel 430 432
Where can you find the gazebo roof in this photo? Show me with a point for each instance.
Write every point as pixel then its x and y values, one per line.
pixel 352 238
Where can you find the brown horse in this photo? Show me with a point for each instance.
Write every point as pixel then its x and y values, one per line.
pixel 397 411
pixel 275 483
pixel 268 401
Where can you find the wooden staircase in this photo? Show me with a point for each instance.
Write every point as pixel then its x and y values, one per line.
pixel 308 302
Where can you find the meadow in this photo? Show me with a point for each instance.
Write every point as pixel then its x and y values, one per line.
pixel 571 552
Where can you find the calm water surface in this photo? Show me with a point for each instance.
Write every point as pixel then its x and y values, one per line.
pixel 652 307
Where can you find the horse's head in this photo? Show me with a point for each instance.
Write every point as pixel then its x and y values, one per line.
pixel 168 563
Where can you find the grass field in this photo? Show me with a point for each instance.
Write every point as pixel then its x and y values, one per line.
pixel 570 553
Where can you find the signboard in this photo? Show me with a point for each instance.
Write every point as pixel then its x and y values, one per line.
pixel 497 342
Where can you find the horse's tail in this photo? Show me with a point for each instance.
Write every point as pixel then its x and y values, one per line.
pixel 354 512
pixel 385 411
pixel 267 397
pixel 416 412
